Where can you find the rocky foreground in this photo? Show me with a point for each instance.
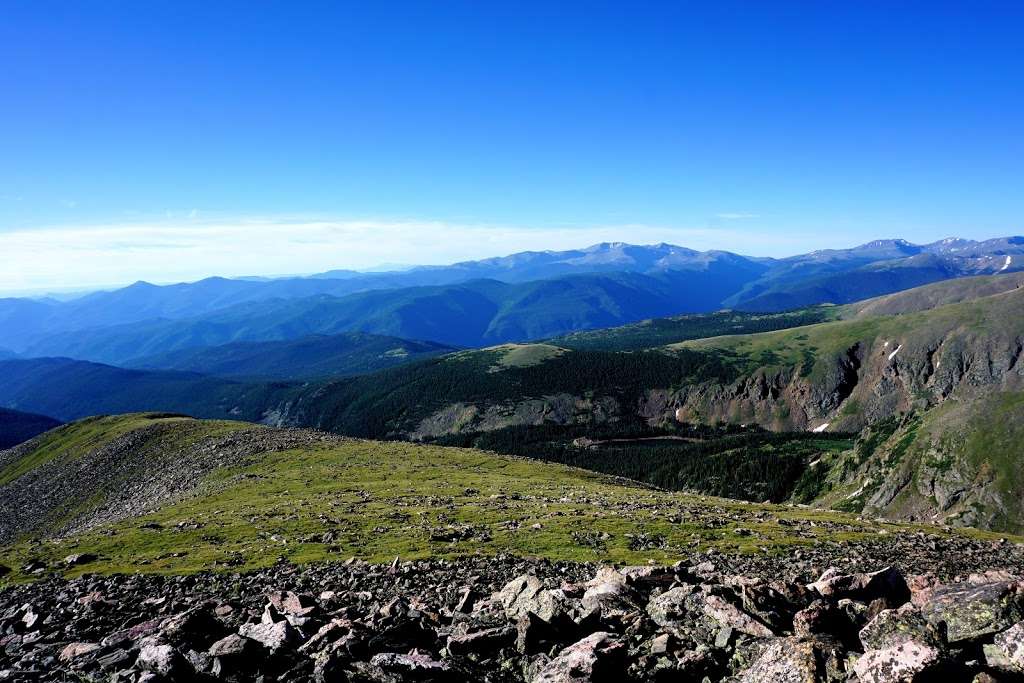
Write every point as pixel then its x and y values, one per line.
pixel 506 619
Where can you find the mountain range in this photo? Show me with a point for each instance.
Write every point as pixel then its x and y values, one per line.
pixel 526 296
pixel 919 392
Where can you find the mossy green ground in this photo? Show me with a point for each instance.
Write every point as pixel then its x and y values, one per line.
pixel 378 500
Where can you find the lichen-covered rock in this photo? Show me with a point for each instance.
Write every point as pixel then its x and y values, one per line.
pixel 1007 652
pixel 904 663
pixel 609 594
pixel 786 660
pixel 412 666
pixel 893 627
pixel 671 607
pixel 974 611
pixel 73 651
pixel 272 636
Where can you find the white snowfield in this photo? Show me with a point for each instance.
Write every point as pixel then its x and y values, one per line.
pixel 821 428
pixel 858 491
pixel 893 354
pixel 1009 260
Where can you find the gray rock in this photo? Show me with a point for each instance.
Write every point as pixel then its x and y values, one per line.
pixel 413 665
pixel 235 655
pixel 73 651
pixel 79 558
pixel 483 642
pixel 609 594
pixel 728 614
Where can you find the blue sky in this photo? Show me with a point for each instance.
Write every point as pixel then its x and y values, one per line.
pixel 171 136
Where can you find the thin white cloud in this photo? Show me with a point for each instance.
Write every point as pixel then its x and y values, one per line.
pixel 185 249
pixel 69 203
pixel 736 216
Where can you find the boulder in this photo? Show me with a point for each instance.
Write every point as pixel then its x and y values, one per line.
pixel 671 607
pixel 485 642
pixel 908 662
pixel 79 558
pixel 272 636
pixel 609 594
pixel 974 611
pixel 293 604
pixel 785 660
pixel 413 666
pixel 821 618
pixel 527 594
pixel 598 657
pixel 195 629
pixel 893 627
pixel 158 657
pixel 235 655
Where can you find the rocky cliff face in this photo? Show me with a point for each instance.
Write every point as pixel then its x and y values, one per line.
pixel 870 380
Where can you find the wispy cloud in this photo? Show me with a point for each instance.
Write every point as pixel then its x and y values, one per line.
pixel 190 247
pixel 69 203
pixel 736 216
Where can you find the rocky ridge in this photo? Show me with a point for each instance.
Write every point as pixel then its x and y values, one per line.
pixel 134 473
pixel 505 619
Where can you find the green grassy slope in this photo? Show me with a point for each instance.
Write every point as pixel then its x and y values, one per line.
pixel 993 316
pixel 331 499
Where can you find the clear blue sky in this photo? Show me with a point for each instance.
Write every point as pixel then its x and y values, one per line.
pixel 817 123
